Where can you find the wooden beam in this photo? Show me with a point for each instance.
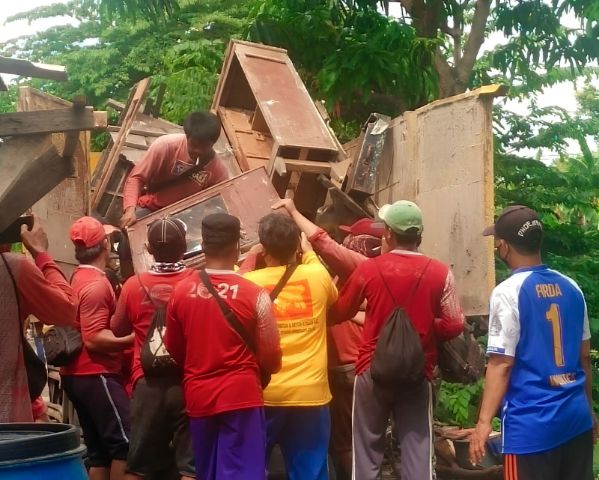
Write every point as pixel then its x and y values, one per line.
pixel 134 105
pixel 50 121
pixel 136 131
pixel 71 140
pixel 115 104
pixel 25 68
pixel 30 167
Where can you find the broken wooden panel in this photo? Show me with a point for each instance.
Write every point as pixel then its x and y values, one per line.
pixel 248 197
pixel 261 93
pixel 51 121
pixel 30 167
pixel 441 157
pixel 25 68
pixel 363 174
pixel 134 104
pixel 69 200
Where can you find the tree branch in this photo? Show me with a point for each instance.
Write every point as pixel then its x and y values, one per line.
pixel 446 75
pixel 473 43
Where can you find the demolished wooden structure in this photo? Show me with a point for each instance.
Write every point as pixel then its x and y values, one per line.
pixel 32 159
pixel 248 196
pixel 130 139
pixel 69 200
pixel 271 121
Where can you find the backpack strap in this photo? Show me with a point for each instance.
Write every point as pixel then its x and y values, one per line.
pixel 283 281
pixel 228 313
pixel 414 288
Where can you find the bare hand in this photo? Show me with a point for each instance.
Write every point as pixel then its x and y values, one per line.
pixel 128 218
pixel 35 240
pixel 306 245
pixel 478 442
pixel 257 250
pixel 287 204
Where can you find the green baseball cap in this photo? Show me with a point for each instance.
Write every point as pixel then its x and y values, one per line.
pixel 402 216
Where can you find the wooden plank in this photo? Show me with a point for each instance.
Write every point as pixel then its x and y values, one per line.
pixel 127 118
pixel 71 140
pixel 48 121
pixel 25 68
pixel 116 105
pixel 229 128
pixel 282 165
pixel 138 131
pixel 29 185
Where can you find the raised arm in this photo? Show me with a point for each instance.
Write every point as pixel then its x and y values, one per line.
pixel 43 289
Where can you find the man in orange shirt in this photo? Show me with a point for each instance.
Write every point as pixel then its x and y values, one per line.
pixel 174 167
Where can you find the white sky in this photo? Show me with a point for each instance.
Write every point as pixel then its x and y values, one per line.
pixel 561 95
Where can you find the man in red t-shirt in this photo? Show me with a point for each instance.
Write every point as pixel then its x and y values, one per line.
pixel 160 178
pixel 221 376
pixel 92 380
pixel 39 289
pixel 425 288
pixel 157 408
pixel 362 241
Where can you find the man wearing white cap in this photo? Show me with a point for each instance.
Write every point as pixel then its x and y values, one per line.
pixel 425 289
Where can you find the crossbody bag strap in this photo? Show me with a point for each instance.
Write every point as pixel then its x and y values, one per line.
pixel 228 313
pixel 186 174
pixel 414 289
pixel 283 281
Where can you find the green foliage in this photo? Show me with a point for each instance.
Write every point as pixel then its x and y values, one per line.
pixel 458 404
pixel 181 46
pixel 349 56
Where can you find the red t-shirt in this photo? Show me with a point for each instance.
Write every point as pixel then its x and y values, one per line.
pixel 219 372
pixel 434 308
pixel 168 158
pixel 96 307
pixel 135 311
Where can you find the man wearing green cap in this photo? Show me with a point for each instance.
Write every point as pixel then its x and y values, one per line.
pixel 425 289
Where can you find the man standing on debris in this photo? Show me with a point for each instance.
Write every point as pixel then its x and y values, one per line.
pixel 539 362
pixel 92 379
pixel 297 398
pixel 425 289
pixel 221 330
pixel 27 288
pixel 363 241
pixel 157 409
pixel 174 167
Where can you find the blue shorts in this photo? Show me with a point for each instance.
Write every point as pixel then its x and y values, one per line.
pixel 303 435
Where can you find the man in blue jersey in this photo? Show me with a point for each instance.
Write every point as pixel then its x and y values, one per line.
pixel 539 368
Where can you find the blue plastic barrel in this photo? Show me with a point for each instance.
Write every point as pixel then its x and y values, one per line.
pixel 44 451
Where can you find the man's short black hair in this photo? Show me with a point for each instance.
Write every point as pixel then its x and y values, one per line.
pixel 532 245
pixel 86 255
pixel 202 126
pixel 280 236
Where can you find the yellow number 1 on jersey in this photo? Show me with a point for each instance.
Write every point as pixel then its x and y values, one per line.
pixel 553 316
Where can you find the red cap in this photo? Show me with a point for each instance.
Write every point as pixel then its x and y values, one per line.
pixel 89 231
pixel 365 226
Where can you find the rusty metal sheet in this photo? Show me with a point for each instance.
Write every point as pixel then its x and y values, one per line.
pixel 248 196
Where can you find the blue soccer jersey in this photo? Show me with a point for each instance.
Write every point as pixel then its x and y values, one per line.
pixel 539 317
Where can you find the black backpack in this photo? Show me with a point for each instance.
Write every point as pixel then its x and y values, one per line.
pixel 155 359
pixel 398 359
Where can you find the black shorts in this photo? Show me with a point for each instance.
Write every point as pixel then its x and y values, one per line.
pixel 571 461
pixel 160 435
pixel 103 410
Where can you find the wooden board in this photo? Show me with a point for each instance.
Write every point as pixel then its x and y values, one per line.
pixel 51 121
pixel 135 103
pixel 262 83
pixel 248 196
pixel 69 200
pixel 25 68
pixel 441 157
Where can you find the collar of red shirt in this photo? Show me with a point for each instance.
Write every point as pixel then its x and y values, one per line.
pixel 93 268
pixel 399 251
